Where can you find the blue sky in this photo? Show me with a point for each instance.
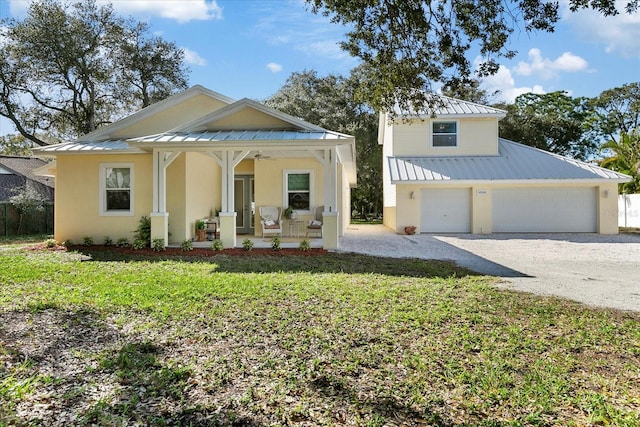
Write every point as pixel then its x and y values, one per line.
pixel 248 48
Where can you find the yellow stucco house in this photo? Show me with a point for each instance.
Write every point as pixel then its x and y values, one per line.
pixel 448 171
pixel 196 154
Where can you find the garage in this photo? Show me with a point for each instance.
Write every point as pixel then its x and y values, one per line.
pixel 445 210
pixel 545 210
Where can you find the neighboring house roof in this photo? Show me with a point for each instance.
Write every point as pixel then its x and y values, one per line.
pixel 515 162
pixel 446 107
pixel 16 171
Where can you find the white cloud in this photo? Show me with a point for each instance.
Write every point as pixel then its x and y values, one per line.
pixel 619 34
pixel 273 67
pixel 504 83
pixel 297 29
pixel 180 10
pixel 546 68
pixel 193 58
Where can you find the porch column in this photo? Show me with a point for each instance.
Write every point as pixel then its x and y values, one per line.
pixel 227 213
pixel 330 216
pixel 229 159
pixel 159 216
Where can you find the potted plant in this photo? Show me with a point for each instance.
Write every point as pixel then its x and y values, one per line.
pixel 288 212
pixel 201 232
pixel 410 229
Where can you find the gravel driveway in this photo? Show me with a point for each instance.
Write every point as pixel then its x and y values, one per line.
pixel 594 269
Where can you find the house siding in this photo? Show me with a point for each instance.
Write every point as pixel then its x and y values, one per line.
pixel 78 193
pixel 476 137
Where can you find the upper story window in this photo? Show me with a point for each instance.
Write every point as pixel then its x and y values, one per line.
pixel 298 190
pixel 116 189
pixel 444 134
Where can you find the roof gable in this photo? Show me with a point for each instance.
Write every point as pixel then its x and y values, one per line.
pixel 246 114
pixel 163 115
pixel 446 107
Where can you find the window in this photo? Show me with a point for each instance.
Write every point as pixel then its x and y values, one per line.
pixel 116 189
pixel 298 190
pixel 444 134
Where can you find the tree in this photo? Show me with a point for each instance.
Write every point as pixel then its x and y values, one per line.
pixel 470 91
pixel 617 112
pixel 330 102
pixel 66 70
pixel 553 122
pixel 27 201
pixel 625 159
pixel 411 44
pixel 15 145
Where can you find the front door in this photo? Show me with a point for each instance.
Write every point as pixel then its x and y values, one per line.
pixel 245 205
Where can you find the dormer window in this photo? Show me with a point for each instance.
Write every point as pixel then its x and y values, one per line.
pixel 444 134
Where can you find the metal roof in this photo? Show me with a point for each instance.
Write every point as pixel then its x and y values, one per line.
pixel 89 146
pixel 121 145
pixel 446 106
pixel 240 135
pixel 515 162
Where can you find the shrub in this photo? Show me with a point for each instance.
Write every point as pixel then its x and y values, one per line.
pixel 247 244
pixel 217 245
pixel 108 241
pixel 51 243
pixel 186 246
pixel 143 232
pixel 158 245
pixel 87 240
pixel 67 243
pixel 139 244
pixel 123 242
pixel 275 243
pixel 305 245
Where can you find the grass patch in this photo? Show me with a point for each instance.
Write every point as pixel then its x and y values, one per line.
pixel 329 339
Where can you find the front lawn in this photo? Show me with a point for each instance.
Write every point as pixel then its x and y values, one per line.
pixel 333 339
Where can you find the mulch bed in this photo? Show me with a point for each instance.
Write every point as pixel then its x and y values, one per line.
pixel 177 252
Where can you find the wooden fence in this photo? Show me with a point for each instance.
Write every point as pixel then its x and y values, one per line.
pixel 12 223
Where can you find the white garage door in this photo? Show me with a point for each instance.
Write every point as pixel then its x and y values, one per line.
pixel 545 210
pixel 445 210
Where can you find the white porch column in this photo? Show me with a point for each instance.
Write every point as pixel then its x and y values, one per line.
pixel 228 161
pixel 330 216
pixel 227 213
pixel 159 216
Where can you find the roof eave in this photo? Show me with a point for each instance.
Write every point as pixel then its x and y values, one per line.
pixel 535 181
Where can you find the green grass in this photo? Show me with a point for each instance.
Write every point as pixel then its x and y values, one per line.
pixel 326 340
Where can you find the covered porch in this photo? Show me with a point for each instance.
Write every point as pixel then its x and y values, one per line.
pixel 265 158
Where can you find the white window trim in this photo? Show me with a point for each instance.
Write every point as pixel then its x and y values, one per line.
pixel 285 189
pixel 102 196
pixel 431 134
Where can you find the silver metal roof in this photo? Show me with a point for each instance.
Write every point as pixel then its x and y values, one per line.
pixel 514 162
pixel 446 106
pixel 240 135
pixel 196 137
pixel 89 146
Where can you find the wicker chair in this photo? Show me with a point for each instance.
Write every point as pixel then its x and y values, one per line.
pixel 315 225
pixel 271 220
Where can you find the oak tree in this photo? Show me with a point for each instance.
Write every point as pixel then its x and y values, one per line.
pixel 410 45
pixel 66 70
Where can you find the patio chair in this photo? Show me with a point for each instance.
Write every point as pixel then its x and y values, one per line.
pixel 315 225
pixel 271 220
